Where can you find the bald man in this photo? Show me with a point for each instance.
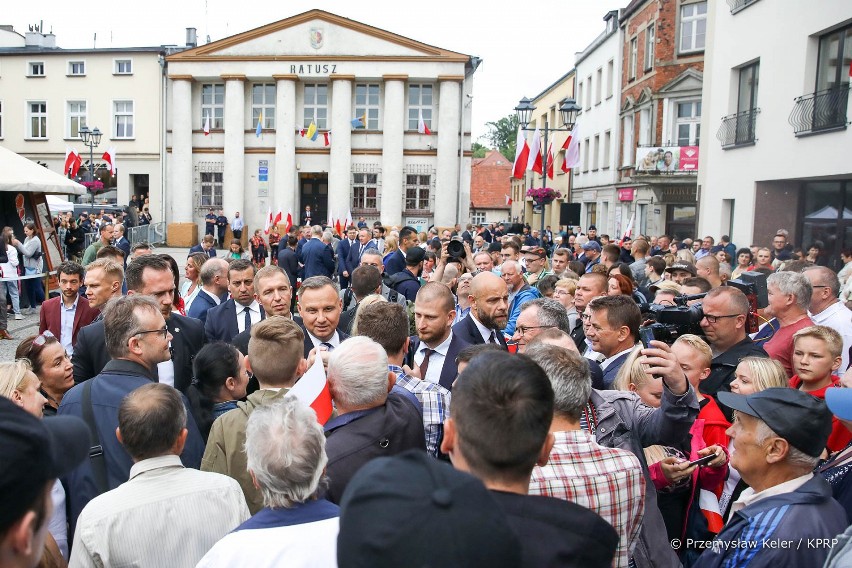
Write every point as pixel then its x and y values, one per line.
pixel 489 311
pixel 707 267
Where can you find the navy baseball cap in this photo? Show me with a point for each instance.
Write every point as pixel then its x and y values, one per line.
pixel 592 245
pixel 800 418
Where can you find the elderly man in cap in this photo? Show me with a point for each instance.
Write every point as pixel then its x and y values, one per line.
pixel 787 511
pixel 591 255
pixel 35 453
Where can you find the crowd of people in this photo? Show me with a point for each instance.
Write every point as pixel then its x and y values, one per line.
pixel 500 389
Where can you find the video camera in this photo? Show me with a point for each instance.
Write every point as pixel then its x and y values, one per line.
pixel 670 322
pixel 455 248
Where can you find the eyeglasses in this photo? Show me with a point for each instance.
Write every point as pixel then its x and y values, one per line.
pixel 714 319
pixel 524 329
pixel 42 339
pixel 164 331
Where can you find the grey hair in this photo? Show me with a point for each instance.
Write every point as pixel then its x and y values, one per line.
pixel 121 321
pixel 358 373
pixel 372 252
pixel 795 456
pixel 212 268
pixel 793 283
pixel 826 277
pixel 514 263
pixel 550 313
pixel 327 237
pixel 569 376
pixel 285 450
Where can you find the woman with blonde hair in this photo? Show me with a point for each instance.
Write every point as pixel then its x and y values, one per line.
pixel 369 300
pixel 192 274
pixel 391 246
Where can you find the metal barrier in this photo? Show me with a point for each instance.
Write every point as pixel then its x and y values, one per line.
pixel 90 238
pixel 153 233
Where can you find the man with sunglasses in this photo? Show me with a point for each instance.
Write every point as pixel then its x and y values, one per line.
pixel 137 339
pixel 724 324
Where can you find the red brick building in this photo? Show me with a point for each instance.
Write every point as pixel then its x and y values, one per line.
pixel 490 185
pixel 662 70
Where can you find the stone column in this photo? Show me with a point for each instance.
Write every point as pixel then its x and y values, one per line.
pixel 181 229
pixel 285 186
pixel 234 178
pixel 447 183
pixel 394 122
pixel 340 168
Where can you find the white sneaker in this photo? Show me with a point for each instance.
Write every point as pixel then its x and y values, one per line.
pixel 19 317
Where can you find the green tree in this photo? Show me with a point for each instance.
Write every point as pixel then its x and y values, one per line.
pixel 479 150
pixel 503 134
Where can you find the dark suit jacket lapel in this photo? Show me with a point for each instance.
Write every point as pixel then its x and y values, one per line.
pixel 450 369
pixel 231 311
pixel 179 353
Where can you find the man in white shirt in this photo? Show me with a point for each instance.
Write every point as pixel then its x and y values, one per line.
pixel 241 311
pixel 827 309
pixel 165 514
pixel 436 346
pixel 613 330
pixel 320 307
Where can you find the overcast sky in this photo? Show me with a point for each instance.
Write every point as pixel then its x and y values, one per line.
pixel 523 50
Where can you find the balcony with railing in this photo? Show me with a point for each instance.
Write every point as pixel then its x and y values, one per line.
pixel 738 129
pixel 823 111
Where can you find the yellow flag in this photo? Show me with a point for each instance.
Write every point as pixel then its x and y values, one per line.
pixel 312 131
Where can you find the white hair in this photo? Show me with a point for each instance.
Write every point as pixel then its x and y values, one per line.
pixel 793 283
pixel 795 456
pixel 285 450
pixel 358 373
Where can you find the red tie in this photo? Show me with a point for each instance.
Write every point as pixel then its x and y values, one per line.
pixel 424 366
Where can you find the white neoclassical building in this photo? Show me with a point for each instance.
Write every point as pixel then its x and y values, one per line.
pixel 368 93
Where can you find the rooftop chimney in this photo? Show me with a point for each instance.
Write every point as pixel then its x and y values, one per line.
pixel 191 40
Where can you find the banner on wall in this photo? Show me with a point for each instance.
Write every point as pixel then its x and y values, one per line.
pixel 667 159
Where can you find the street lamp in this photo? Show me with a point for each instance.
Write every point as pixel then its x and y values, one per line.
pixel 568 111
pixel 91 138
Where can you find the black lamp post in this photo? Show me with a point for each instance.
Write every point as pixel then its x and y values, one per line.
pixel 91 138
pixel 568 111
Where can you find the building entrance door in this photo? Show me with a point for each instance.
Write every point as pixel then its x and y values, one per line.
pixel 314 192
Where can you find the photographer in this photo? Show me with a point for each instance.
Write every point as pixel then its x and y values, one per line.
pixel 457 251
pixel 724 325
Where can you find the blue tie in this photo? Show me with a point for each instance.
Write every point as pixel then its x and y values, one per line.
pixel 247 312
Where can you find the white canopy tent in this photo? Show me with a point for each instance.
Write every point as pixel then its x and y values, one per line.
pixel 19 174
pixel 59 205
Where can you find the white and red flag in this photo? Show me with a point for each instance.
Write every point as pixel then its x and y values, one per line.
pixel 348 218
pixel 522 155
pixel 629 229
pixel 534 161
pixel 550 160
pixel 207 125
pixel 508 200
pixel 421 126
pixel 289 224
pixel 312 390
pixel 268 220
pixel 278 216
pixel 572 150
pixel 109 158
pixel 73 161
pixel 709 505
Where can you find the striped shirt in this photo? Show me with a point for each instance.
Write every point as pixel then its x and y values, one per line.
pixel 608 481
pixel 164 515
pixel 435 401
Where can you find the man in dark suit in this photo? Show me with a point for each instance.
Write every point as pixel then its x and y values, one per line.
pixel 214 288
pixel 241 311
pixel 273 291
pixel 489 311
pixel 613 331
pixel 436 346
pixel 66 314
pixel 149 275
pixel 319 314
pixel 122 243
pixel 289 262
pixel 317 257
pixel 207 246
pixel 222 228
pixel 407 239
pixel 343 247
pixel 356 251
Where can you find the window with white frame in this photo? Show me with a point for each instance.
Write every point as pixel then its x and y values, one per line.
pixel 37 119
pixel 693 26
pixel 77 68
pixel 35 69
pixel 263 101
pixel 418 191
pixel 580 94
pixel 367 105
pixel 599 86
pixel 122 119
pixel 213 105
pixel 211 189
pixel 365 190
pixel 316 105
pixel 586 155
pixel 607 144
pixel 645 127
pixel 610 72
pixel 477 217
pixel 596 152
pixel 76 118
pixel 123 67
pixel 419 105
pixel 627 140
pixel 634 54
pixel 650 42
pixel 589 92
pixel 688 123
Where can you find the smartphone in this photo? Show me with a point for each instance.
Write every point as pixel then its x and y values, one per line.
pixel 701 462
pixel 646 334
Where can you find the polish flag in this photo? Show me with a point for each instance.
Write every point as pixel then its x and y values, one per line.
pixel 289 224
pixel 421 126
pixel 550 160
pixel 508 200
pixel 534 160
pixel 312 390
pixel 278 216
pixel 572 150
pixel 522 154
pixel 207 125
pixel 628 230
pixel 268 220
pixel 348 218
pixel 71 156
pixel 709 505
pixel 75 167
pixel 338 227
pixel 109 158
